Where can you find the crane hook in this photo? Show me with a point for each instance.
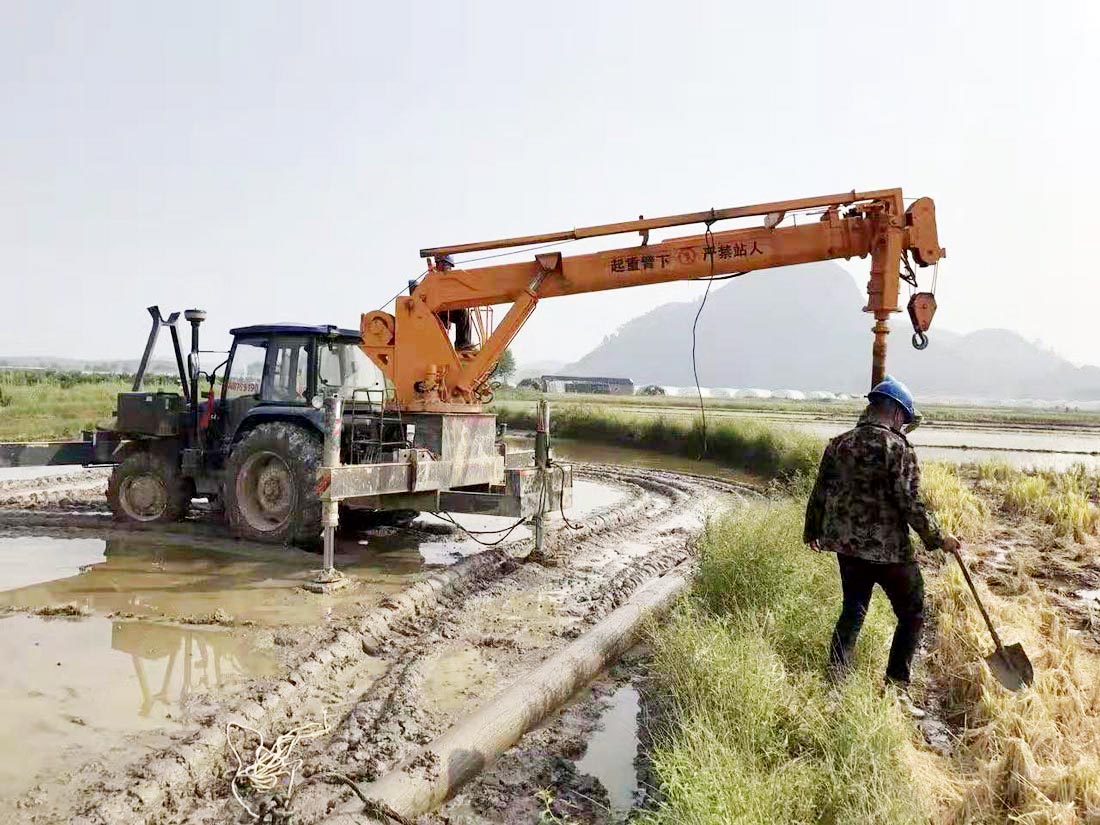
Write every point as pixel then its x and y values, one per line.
pixel 922 306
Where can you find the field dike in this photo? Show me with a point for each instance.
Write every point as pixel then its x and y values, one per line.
pixel 585 573
pixel 757 447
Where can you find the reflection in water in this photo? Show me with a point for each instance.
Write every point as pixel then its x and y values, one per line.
pixel 72 689
pixel 188 579
pixel 147 575
pixel 611 751
pixel 206 660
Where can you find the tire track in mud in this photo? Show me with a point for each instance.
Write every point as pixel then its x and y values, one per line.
pixel 78 490
pixel 396 715
pixel 373 676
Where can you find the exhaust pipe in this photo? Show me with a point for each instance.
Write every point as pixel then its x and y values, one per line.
pixel 194 317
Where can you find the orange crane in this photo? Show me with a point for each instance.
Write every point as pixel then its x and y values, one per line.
pixel 298 425
pixel 414 351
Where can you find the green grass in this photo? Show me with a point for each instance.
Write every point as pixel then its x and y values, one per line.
pixel 759 447
pixel 54 406
pixel 754 733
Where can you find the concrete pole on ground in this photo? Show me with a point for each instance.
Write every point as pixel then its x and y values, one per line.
pixel 424 780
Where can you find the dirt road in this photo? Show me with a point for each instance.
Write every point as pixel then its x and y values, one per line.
pixel 384 669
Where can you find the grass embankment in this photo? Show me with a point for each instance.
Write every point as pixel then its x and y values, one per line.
pixel 46 406
pixel 746 445
pixel 753 734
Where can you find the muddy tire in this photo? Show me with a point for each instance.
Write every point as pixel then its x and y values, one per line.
pixel 271 485
pixel 147 488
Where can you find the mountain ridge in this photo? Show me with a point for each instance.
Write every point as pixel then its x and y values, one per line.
pixel 802 328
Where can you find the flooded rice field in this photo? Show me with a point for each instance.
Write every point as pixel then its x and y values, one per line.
pixel 1031 446
pixel 114 640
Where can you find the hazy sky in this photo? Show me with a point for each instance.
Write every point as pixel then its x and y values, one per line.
pixel 273 160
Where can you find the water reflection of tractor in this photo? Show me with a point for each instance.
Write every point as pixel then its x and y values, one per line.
pixel 302 421
pixel 205 659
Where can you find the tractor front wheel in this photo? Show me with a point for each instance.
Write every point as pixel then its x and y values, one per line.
pixel 271 485
pixel 146 487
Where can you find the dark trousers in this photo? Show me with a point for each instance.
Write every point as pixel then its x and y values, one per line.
pixel 461 319
pixel 904 587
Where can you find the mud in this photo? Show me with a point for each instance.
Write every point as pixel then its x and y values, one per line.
pixel 435 625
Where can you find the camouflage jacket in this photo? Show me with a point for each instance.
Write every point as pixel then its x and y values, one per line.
pixel 867 495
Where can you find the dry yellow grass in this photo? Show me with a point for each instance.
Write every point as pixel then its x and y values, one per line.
pixel 960 511
pixel 1061 501
pixel 1030 757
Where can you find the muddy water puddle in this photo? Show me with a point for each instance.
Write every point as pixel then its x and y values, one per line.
pixel 203 579
pixel 588 497
pixel 611 751
pixel 71 688
pixel 139 575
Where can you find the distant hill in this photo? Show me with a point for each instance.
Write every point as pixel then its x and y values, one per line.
pixel 802 328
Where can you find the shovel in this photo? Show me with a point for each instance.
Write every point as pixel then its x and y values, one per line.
pixel 1009 665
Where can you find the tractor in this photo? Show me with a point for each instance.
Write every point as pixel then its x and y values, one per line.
pixel 253 445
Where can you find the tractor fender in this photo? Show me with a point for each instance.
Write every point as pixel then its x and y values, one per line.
pixel 306 417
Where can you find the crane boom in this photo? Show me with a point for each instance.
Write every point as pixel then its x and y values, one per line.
pixel 415 353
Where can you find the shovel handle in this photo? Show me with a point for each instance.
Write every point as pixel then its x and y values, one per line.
pixel 977 598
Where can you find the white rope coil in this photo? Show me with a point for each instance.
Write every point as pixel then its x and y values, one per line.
pixel 269 764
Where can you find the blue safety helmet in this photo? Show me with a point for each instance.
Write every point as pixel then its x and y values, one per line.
pixel 896 391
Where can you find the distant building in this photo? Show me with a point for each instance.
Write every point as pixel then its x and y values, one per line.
pixel 595 385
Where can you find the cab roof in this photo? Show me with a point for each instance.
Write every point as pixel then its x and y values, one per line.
pixel 286 328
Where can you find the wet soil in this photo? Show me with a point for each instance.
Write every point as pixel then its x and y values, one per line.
pixel 187 630
pixel 1019 556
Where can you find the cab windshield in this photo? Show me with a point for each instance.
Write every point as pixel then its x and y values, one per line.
pixel 343 368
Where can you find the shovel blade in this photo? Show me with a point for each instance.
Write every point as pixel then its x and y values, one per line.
pixel 1011 667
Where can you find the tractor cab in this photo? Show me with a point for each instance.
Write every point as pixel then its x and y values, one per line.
pixel 282 371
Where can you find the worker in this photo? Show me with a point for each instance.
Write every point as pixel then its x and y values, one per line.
pixel 865 499
pixel 459 317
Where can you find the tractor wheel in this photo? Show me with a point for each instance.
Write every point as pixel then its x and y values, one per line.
pixel 146 487
pixel 271 485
